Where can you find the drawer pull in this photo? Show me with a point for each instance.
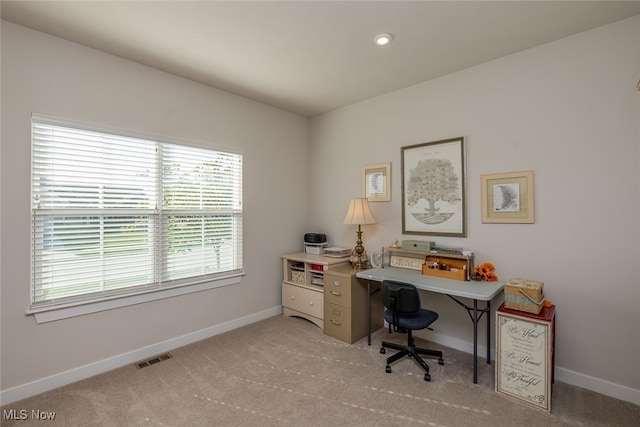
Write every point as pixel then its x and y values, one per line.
pixel 310 303
pixel 335 322
pixel 336 293
pixel 336 283
pixel 292 297
pixel 336 313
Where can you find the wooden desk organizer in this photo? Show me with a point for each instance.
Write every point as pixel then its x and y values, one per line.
pixel 458 268
pixel 420 260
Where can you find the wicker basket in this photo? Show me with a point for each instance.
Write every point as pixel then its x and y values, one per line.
pixel 298 277
pixel 524 295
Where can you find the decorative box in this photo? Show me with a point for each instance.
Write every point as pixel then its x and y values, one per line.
pixel 524 295
pixel 417 245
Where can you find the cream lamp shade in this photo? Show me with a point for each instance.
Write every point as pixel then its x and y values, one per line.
pixel 359 213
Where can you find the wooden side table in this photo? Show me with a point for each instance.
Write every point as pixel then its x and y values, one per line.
pixel 525 355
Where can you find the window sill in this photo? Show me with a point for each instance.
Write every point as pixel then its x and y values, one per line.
pixel 50 314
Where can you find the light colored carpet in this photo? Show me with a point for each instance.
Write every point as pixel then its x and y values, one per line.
pixel 286 372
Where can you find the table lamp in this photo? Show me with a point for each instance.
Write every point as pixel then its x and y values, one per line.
pixel 359 214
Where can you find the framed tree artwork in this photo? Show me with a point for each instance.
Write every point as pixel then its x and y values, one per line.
pixel 433 188
pixel 508 198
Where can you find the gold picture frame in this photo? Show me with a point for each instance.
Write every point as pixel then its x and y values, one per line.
pixel 376 182
pixel 507 198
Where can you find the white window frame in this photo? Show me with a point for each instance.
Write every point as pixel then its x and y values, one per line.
pixel 55 310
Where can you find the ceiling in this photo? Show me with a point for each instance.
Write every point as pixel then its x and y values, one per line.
pixel 310 57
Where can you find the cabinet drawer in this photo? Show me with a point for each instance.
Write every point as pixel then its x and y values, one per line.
pixel 337 322
pixel 304 300
pixel 337 289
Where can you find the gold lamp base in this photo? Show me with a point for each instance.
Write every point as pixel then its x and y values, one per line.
pixel 359 259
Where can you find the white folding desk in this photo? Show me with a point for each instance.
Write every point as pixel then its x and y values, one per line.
pixel 477 291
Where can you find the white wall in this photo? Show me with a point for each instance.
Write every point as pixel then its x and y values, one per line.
pixel 568 111
pixel 48 75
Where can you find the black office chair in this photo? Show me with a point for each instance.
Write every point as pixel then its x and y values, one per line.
pixel 404 312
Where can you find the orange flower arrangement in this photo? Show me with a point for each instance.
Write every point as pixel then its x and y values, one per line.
pixel 485 272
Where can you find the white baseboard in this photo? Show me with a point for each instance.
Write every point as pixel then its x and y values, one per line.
pixel 455 343
pixel 599 386
pixel 63 378
pixel 58 380
pixel 577 379
pixel 461 345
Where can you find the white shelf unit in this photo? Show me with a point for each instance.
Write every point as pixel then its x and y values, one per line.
pixel 302 285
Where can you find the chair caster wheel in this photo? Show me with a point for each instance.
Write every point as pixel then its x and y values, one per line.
pixel 383 350
pixel 387 369
pixel 427 377
pixel 441 361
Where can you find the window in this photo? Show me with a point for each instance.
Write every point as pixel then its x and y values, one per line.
pixel 117 215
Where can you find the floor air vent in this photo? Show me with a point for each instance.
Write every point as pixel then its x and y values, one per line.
pixel 154 360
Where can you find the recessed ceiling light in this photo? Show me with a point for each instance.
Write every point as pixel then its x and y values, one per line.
pixel 383 39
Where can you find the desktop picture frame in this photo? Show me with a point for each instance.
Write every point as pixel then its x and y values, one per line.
pixel 376 182
pixel 507 198
pixel 433 188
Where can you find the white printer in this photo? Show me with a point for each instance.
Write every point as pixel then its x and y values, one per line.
pixel 315 243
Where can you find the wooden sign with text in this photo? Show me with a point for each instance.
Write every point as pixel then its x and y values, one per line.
pixel 524 358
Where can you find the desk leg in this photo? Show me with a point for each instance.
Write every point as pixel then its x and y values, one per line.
pixel 488 332
pixel 369 309
pixel 475 341
pixel 475 314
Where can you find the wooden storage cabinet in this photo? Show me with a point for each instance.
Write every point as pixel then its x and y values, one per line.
pixel 345 306
pixel 302 285
pixel 525 355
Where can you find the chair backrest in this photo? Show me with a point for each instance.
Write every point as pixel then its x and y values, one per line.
pixel 399 297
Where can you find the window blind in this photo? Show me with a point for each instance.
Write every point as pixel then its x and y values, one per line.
pixel 114 215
